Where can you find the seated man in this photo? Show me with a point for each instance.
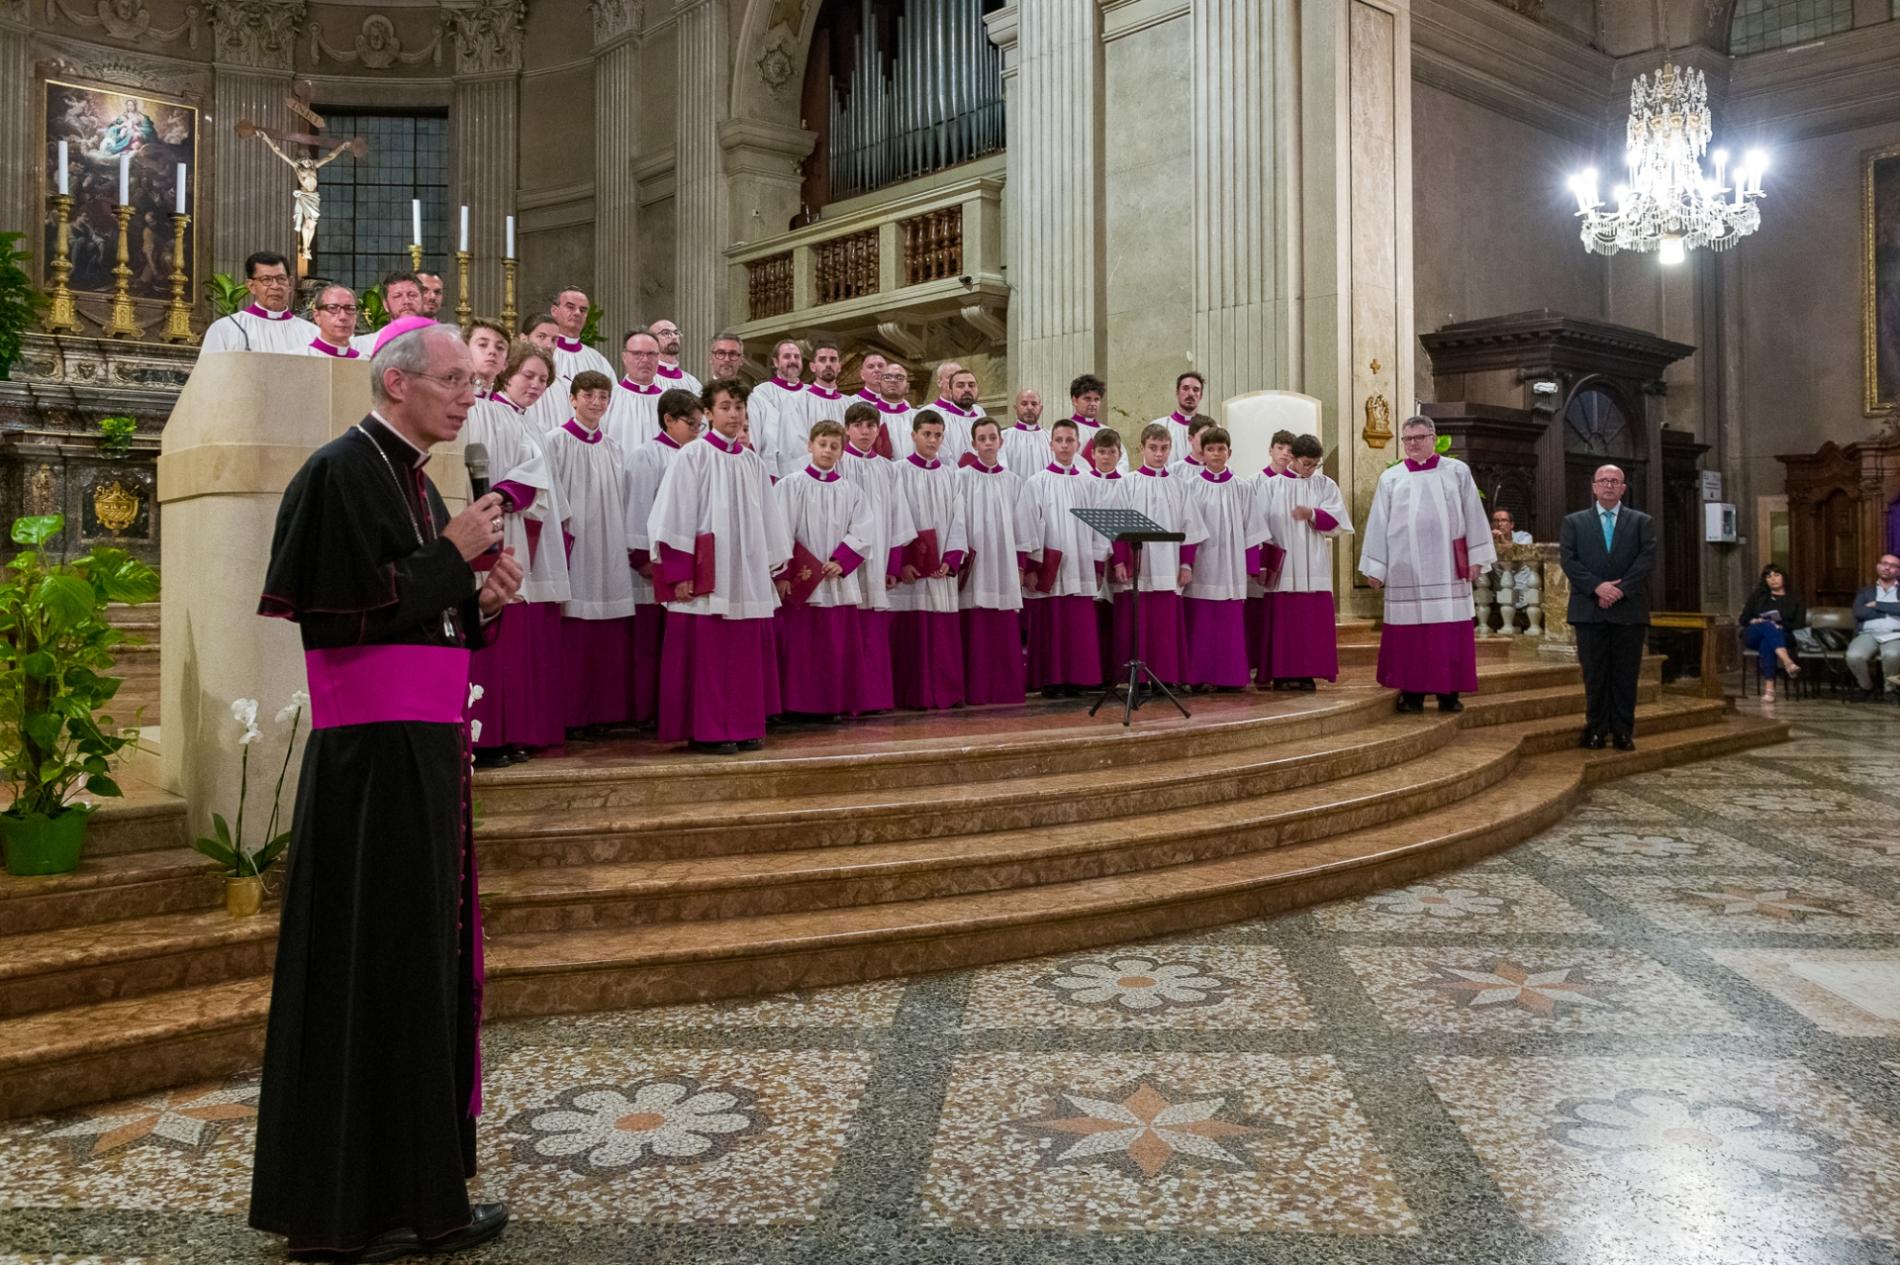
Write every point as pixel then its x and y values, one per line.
pixel 1877 630
pixel 1504 529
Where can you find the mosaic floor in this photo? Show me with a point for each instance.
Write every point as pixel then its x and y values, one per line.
pixel 1667 1031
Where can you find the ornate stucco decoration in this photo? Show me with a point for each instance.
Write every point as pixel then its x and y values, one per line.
pixel 775 67
pixel 789 14
pixel 116 503
pixel 377 46
pixel 486 34
pixel 125 19
pixel 71 58
pixel 257 33
pixel 614 18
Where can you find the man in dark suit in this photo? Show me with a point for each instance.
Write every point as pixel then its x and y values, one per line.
pixel 1608 551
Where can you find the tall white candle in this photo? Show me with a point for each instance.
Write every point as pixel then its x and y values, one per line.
pixel 464 238
pixel 415 219
pixel 125 179
pixel 65 176
pixel 181 188
pixel 509 253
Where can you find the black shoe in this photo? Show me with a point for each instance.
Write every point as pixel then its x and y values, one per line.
pixel 492 758
pixel 518 755
pixel 1623 742
pixel 1307 685
pixel 1449 704
pixel 750 744
pixel 1411 703
pixel 489 1221
pixel 395 1245
pixel 714 748
pixel 1593 742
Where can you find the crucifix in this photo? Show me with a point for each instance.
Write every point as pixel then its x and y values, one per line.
pixel 305 200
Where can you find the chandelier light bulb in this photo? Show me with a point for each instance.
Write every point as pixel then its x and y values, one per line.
pixel 1670 250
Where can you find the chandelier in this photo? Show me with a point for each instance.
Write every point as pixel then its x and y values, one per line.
pixel 1670 204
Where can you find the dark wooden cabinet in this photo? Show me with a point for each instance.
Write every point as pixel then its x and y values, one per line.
pixel 1843 513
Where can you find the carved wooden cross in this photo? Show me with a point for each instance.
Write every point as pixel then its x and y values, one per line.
pixel 298 103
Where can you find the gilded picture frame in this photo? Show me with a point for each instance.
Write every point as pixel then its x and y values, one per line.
pixel 1880 216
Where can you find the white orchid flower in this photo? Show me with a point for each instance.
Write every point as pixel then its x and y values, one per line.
pixel 475 728
pixel 475 693
pixel 251 734
pixel 298 701
pixel 244 711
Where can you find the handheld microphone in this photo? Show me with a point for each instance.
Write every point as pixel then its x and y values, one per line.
pixel 475 457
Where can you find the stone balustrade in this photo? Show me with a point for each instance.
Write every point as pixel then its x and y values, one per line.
pixel 1524 595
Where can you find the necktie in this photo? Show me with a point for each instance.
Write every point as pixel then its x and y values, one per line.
pixel 1609 528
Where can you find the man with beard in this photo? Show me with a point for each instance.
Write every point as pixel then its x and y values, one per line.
pixel 670 374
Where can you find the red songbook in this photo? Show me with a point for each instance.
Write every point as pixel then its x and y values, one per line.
pixel 534 526
pixel 1272 558
pixel 967 459
pixel 882 444
pixel 803 559
pixel 922 554
pixel 705 574
pixel 964 567
pixel 1047 572
pixel 1461 556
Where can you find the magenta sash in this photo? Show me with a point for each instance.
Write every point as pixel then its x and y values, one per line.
pixel 366 685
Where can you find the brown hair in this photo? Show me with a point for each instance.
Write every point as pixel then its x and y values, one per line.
pixel 1107 437
pixel 1155 430
pixel 480 322
pixel 1216 435
pixel 824 427
pixel 732 387
pixel 590 380
pixel 925 417
pixel 1200 422
pixel 678 403
pixel 520 352
pixel 981 422
pixel 862 411
pixel 1309 446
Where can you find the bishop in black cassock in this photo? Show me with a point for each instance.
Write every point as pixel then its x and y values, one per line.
pixel 372 1077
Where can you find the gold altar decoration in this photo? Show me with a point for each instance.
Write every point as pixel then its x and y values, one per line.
pixel 508 312
pixel 116 504
pixel 61 315
pixel 123 323
pixel 464 313
pixel 1378 430
pixel 178 312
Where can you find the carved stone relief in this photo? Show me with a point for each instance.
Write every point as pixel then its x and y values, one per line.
pixel 73 59
pixel 377 46
pixel 775 67
pixel 614 18
pixel 486 34
pixel 125 19
pixel 257 33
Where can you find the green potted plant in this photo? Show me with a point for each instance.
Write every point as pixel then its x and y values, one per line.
pixel 244 868
pixel 19 301
pixel 225 293
pixel 55 658
pixel 373 312
pixel 115 436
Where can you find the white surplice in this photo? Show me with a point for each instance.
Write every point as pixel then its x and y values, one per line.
pixel 823 404
pixel 999 522
pixel 1105 492
pixel 1308 565
pixel 716 487
pixel 1417 515
pixel 646 468
pixel 775 414
pixel 590 477
pixel 1235 523
pixel 251 328
pixel 517 453
pixel 1025 449
pixel 633 415
pixel 1168 502
pixel 571 357
pixel 1056 490
pixel 1086 431
pixel 1177 435
pixel 930 492
pixel 675 378
pixel 319 347
pixel 824 510
pixel 876 478
pixel 956 430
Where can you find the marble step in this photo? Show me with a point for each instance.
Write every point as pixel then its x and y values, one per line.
pixel 114 1049
pixel 584 836
pixel 1550 701
pixel 128 957
pixel 102 1050
pixel 144 819
pixel 1366 653
pixel 701 888
pixel 571 971
pixel 109 887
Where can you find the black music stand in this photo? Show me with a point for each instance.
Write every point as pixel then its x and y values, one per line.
pixel 1132 528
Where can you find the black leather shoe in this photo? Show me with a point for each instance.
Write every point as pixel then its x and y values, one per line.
pixel 1594 742
pixel 1623 742
pixel 1411 703
pixel 492 758
pixel 714 748
pixel 750 744
pixel 488 1222
pixel 394 1245
pixel 1449 704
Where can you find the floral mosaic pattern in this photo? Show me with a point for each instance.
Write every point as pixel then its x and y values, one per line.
pixel 1172 987
pixel 1649 847
pixel 184 1120
pixel 1135 983
pixel 601 1129
pixel 1748 903
pixel 1481 900
pixel 1143 1130
pixel 1664 1134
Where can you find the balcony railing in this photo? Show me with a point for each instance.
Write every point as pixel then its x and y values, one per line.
pixel 925 256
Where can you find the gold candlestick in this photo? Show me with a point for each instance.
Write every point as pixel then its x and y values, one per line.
pixel 123 323
pixel 415 256
pixel 178 312
pixel 61 315
pixel 463 312
pixel 508 313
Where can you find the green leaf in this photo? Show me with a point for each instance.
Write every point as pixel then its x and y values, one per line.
pixel 223 828
pixel 99 784
pixel 119 576
pixel 217 852
pixel 42 730
pixel 40 665
pixel 268 854
pixel 67 599
pixel 34 530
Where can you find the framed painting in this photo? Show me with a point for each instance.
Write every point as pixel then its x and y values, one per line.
pixel 1880 184
pixel 100 125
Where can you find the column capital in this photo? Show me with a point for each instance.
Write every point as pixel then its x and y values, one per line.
pixel 615 20
pixel 259 34
pixel 1004 26
pixel 486 34
pixel 754 145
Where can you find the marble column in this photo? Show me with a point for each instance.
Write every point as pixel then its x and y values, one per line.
pixel 19 148
pixel 616 192
pixel 1052 86
pixel 700 288
pixel 484 136
pixel 1355 288
pixel 253 43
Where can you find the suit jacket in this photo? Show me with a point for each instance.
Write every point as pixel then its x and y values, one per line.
pixel 1629 560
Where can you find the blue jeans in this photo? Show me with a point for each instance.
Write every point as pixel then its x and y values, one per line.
pixel 1765 639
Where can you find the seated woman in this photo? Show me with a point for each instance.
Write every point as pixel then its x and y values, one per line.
pixel 1768 621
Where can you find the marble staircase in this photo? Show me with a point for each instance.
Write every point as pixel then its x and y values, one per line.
pixel 621 874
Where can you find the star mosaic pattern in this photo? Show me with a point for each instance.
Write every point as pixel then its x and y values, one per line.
pixel 1665 1031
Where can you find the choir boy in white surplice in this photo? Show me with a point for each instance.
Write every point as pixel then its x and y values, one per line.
pixel 1191 464
pixel 1000 529
pixel 552 409
pixel 266 323
pixel 1165 568
pixel 672 376
pixel 680 424
pixel 776 413
pixel 1026 444
pixel 590 476
pixel 1427 541
pixel 633 419
pixel 894 406
pixel 835 534
pixel 402 296
pixel 1108 489
pixel 1086 396
pixel 1305 511
pixel 335 310
pixel 1188 390
pixel 721 538
pixel 1065 648
pixel 521 707
pixel 927 633
pixel 960 411
pixel 1259 623
pixel 876 478
pixel 1215 599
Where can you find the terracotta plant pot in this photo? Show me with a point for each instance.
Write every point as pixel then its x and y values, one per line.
pixel 38 844
pixel 243 897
